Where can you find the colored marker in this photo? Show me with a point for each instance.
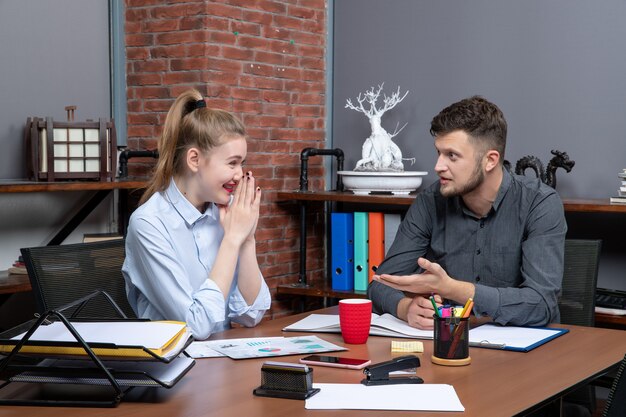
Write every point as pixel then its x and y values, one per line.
pixel 432 300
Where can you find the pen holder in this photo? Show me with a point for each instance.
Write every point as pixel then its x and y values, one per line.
pixel 451 341
pixel 286 380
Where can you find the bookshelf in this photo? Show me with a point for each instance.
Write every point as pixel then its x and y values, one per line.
pixel 100 189
pixel 10 283
pixel 570 206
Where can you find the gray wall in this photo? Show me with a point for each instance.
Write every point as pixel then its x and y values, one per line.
pixel 556 68
pixel 54 53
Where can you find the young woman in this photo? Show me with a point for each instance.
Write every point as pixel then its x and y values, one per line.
pixel 190 246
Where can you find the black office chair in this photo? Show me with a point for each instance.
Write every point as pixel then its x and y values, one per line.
pixel 62 274
pixel 616 401
pixel 577 306
pixel 580 276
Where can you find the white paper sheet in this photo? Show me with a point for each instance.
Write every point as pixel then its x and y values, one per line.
pixel 412 397
pixel 150 334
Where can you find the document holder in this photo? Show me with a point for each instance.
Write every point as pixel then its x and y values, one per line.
pixel 88 369
pixel 286 380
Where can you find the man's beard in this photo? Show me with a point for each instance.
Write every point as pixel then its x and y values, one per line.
pixel 475 180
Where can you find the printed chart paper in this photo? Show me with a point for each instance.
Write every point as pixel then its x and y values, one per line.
pixel 278 346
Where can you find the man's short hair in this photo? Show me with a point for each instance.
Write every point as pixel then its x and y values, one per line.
pixel 482 120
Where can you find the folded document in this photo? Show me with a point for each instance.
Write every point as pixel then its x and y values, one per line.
pixel 124 339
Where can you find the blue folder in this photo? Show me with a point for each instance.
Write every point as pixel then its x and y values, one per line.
pixel 361 274
pixel 342 251
pixel 515 338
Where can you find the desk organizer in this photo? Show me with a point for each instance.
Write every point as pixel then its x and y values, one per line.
pixel 111 370
pixel 70 150
pixel 451 341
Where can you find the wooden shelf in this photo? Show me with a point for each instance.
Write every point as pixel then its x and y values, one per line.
pixel 100 190
pixel 324 291
pixel 12 283
pixel 571 205
pixel 592 206
pixel 24 186
pixel 346 197
pixel 610 321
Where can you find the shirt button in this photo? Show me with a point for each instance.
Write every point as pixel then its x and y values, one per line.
pixel 477 279
pixel 477 251
pixel 482 224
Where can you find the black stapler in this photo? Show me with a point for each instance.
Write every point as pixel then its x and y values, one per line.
pixel 378 374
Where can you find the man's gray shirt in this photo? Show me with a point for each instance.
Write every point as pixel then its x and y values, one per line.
pixel 513 255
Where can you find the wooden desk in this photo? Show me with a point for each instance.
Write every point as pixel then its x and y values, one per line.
pixel 497 383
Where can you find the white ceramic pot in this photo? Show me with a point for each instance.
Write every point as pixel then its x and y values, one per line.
pixel 362 182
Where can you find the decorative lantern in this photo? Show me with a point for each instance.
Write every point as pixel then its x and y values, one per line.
pixel 70 150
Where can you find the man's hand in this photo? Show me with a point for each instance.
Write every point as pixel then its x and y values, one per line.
pixel 418 311
pixel 434 280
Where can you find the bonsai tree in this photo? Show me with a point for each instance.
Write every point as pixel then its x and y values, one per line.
pixel 379 152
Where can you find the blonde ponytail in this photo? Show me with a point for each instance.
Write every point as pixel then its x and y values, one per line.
pixel 189 123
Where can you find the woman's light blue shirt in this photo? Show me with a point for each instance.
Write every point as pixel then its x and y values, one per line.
pixel 170 250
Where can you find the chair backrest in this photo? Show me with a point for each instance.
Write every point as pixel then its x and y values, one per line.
pixel 616 401
pixel 62 274
pixel 580 276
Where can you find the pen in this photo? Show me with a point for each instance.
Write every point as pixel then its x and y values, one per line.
pixel 432 300
pixel 469 310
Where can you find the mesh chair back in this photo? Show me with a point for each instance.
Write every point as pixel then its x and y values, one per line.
pixel 578 294
pixel 61 274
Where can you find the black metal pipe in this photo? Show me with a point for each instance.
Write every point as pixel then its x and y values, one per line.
pixel 304 162
pixel 126 154
pixel 304 186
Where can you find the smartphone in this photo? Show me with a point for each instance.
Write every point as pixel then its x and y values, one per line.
pixel 335 361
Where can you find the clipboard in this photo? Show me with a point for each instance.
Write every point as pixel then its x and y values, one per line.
pixel 513 338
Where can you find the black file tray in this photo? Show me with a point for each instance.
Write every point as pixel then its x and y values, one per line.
pixel 121 376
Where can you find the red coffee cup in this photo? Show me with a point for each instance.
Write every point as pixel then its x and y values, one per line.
pixel 355 317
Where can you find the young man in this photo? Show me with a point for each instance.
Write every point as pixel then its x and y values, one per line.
pixel 478 232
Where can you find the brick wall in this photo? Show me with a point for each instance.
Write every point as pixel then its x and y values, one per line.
pixel 263 60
